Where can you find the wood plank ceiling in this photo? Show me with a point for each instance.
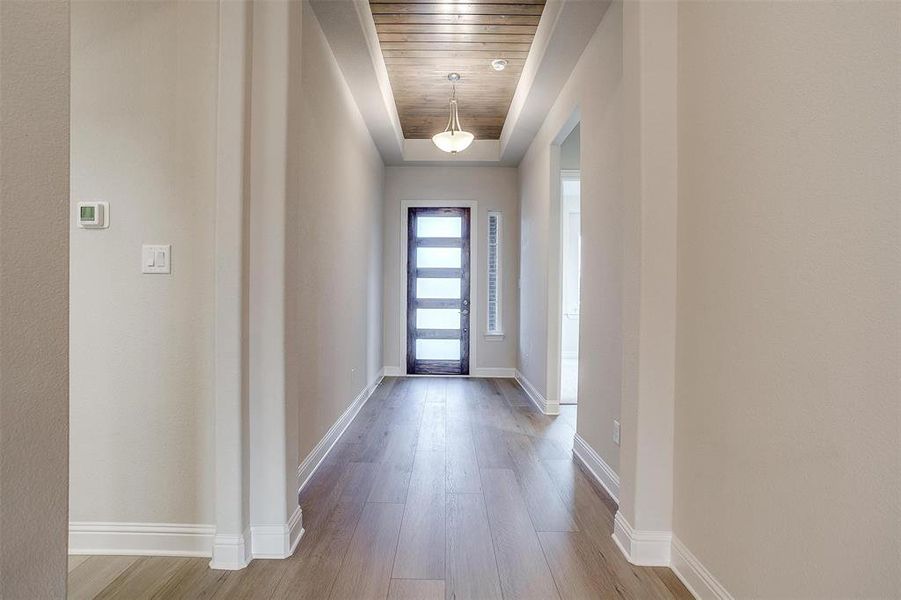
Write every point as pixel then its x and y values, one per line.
pixel 424 40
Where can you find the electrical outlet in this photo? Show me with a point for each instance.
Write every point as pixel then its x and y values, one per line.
pixel 616 432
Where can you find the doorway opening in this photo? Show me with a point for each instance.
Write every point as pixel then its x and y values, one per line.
pixel 570 267
pixel 438 291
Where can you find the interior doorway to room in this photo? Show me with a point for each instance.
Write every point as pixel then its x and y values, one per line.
pixel 438 286
pixel 570 267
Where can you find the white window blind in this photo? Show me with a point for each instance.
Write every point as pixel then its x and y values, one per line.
pixel 494 273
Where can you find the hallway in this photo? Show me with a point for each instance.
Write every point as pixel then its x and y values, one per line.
pixel 441 487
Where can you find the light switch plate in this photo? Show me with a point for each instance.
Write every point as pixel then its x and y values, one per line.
pixel 156 258
pixel 616 432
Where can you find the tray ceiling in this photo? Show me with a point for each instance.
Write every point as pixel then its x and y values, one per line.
pixel 424 40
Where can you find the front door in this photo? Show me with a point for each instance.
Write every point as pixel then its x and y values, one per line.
pixel 438 291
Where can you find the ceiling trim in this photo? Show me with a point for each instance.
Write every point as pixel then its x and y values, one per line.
pixel 350 31
pixel 424 152
pixel 422 41
pixel 564 31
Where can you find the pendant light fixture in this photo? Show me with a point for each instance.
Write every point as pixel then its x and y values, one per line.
pixel 453 139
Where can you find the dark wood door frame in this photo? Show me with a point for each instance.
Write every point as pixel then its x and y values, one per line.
pixel 464 304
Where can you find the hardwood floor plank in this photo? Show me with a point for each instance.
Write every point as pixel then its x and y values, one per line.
pixel 514 394
pixel 420 549
pixel 193 580
pixel 672 583
pixel 471 564
pixel 319 495
pixel 461 460
pixel 437 390
pixel 316 565
pixel 551 436
pixel 400 427
pixel 416 589
pixel 462 463
pixel 366 571
pixel 433 430
pixel 491 451
pixel 495 411
pixel 319 557
pixel 257 581
pixel 350 446
pixel 538 490
pixel 94 574
pixel 142 578
pixel 521 565
pixel 593 511
pixel 393 480
pixel 75 560
pixel 577 566
pixel 463 397
pixel 396 410
pixel 490 420
pixel 553 440
pixel 349 480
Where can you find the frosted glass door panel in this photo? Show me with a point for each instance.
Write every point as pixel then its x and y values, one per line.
pixel 439 227
pixel 437 318
pixel 438 258
pixel 437 349
pixel 430 287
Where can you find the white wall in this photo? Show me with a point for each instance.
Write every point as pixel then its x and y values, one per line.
pixel 143 139
pixel 272 159
pixel 34 185
pixel 570 150
pixel 593 90
pixel 787 405
pixel 144 116
pixel 494 188
pixel 337 237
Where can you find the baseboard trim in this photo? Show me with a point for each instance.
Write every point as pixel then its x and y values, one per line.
pixel 277 541
pixel 308 467
pixel 642 548
pixel 494 372
pixel 141 539
pixel 487 372
pixel 231 552
pixel 699 581
pixel 540 402
pixel 602 473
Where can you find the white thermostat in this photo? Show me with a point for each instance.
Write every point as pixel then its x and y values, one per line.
pixel 93 215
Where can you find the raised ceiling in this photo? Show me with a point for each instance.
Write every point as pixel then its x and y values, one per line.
pixel 424 40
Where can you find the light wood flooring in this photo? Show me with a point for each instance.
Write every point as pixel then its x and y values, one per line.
pixel 440 488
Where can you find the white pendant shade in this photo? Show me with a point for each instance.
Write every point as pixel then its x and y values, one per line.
pixel 453 139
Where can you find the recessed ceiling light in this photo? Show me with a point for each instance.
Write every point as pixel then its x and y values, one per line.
pixel 499 64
